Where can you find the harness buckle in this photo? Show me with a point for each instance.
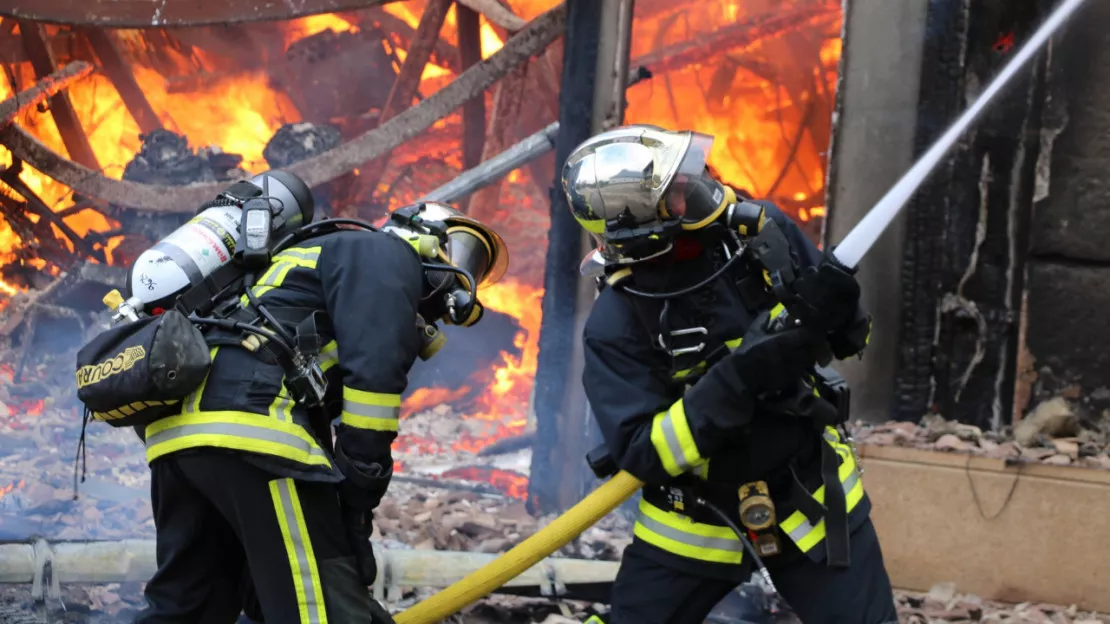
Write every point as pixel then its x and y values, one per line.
pixel 689 331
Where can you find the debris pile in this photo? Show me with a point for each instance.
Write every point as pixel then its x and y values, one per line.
pixel 413 516
pixel 1053 433
pixel 944 604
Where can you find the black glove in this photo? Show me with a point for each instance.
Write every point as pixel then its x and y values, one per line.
pixel 770 362
pixel 828 294
pixel 851 339
pixel 723 401
pixel 359 525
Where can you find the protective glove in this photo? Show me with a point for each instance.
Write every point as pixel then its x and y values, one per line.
pixel 769 362
pixel 359 525
pixel 828 295
pixel 851 339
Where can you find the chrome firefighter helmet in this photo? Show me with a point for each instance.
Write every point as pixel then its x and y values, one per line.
pixel 448 238
pixel 635 188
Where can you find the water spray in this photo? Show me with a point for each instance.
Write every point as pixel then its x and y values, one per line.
pixel 862 237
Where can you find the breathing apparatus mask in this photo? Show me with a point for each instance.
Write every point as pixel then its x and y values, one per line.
pixel 636 189
pixel 459 254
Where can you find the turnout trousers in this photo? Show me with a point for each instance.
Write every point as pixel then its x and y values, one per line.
pixel 647 592
pixel 231 535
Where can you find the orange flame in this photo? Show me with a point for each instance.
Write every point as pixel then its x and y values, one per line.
pixel 512 483
pixel 423 398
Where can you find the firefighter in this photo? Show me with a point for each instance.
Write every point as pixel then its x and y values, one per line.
pixel 244 478
pixel 702 392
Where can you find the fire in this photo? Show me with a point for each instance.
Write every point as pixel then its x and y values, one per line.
pixel 4 491
pixel 423 398
pixel 505 402
pixel 512 483
pixel 752 100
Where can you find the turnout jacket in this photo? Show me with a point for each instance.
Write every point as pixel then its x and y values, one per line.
pixel 367 285
pixel 636 390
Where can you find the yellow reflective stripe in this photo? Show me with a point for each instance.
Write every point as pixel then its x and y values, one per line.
pixel 670 434
pixel 777 310
pixel 594 226
pixel 376 411
pixel 797 526
pixel 329 355
pixel 280 265
pixel 192 400
pixel 298 546
pixel 701 366
pixel 678 534
pixel 282 406
pixel 242 431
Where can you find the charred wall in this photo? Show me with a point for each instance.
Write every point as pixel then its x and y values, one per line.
pixel 1069 267
pixel 963 266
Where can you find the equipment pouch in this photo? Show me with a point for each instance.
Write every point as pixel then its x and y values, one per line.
pixel 137 373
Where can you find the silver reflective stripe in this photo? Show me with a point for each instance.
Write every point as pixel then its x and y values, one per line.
pixel 283 407
pixel 702 470
pixel 371 411
pixel 236 430
pixel 671 436
pixel 805 527
pixel 690 539
pixel 297 541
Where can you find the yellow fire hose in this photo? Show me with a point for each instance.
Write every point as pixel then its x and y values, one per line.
pixel 525 554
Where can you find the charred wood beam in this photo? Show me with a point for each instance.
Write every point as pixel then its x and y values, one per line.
pixel 69 126
pixel 964 263
pixel 495 12
pixel 555 455
pixel 320 169
pixel 474 111
pixel 10 176
pixel 115 68
pixel 506 106
pixel 43 89
pixel 407 85
pixel 116 14
pixel 443 54
pixel 733 38
pixel 423 42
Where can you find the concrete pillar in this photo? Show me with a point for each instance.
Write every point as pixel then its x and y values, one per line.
pixel 872 146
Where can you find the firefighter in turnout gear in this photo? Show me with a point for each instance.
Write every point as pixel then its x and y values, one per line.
pixel 246 480
pixel 702 358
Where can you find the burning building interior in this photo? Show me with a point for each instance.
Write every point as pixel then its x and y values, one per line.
pixel 118 120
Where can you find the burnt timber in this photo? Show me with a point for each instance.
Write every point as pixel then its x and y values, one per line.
pixel 556 449
pixel 530 41
pixel 145 14
pixel 966 238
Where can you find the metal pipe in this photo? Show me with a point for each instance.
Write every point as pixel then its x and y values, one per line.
pixel 489 171
pixel 133 560
pixel 517 156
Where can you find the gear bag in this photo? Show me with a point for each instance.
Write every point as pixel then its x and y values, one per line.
pixel 139 372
